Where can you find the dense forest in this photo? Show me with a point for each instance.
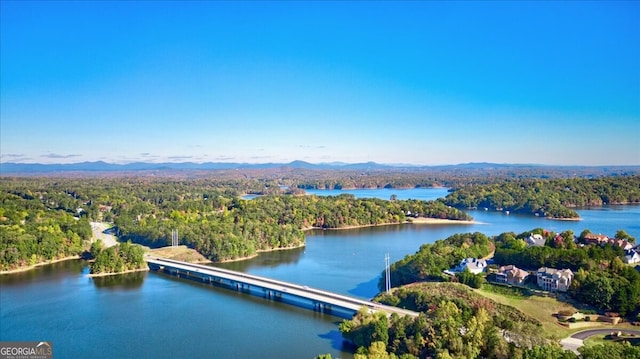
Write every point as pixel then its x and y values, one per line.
pixel 222 227
pixel 33 229
pixel 117 259
pixel 547 198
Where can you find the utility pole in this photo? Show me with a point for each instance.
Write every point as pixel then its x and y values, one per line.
pixel 174 238
pixel 387 273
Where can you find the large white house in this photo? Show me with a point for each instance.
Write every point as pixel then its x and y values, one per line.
pixel 474 265
pixel 552 279
pixel 631 257
pixel 535 240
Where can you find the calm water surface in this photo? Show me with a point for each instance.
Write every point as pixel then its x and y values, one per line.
pixel 154 315
pixel 425 194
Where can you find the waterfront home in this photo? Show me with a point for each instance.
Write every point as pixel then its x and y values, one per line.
pixel 535 240
pixel 631 257
pixel 625 245
pixel 511 275
pixel 474 265
pixel 552 279
pixel 599 239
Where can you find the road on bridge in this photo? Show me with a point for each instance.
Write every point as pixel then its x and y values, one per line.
pixel 205 272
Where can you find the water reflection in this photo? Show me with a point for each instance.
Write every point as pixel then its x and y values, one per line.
pixel 336 340
pixel 267 259
pixel 45 273
pixel 121 281
pixel 365 289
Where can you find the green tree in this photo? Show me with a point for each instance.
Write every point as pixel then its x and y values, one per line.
pixel 597 290
pixel 96 248
pixel 447 323
pixel 621 234
pixel 609 351
pixel 548 351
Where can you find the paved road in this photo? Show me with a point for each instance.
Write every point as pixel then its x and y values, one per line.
pixel 587 333
pixel 100 231
pixel 576 340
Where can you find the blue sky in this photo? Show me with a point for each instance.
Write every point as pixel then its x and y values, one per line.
pixel 391 82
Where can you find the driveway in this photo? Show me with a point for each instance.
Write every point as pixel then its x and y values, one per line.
pixel 587 333
pixel 576 340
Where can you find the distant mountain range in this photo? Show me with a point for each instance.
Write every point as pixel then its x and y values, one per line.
pixel 100 166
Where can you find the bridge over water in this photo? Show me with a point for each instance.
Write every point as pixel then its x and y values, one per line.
pixel 296 294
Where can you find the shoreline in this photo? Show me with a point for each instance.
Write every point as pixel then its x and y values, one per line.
pixel 28 268
pixel 419 220
pixel 258 253
pixel 93 275
pixel 426 220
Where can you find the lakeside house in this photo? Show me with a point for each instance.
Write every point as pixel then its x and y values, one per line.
pixel 631 257
pixel 474 265
pixel 625 245
pixel 552 279
pixel 599 239
pixel 535 240
pixel 558 241
pixel 511 275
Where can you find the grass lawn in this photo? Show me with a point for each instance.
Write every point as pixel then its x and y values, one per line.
pixel 543 309
pixel 540 308
pixel 596 339
pixel 180 253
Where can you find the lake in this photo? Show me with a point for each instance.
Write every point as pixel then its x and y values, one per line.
pixel 155 315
